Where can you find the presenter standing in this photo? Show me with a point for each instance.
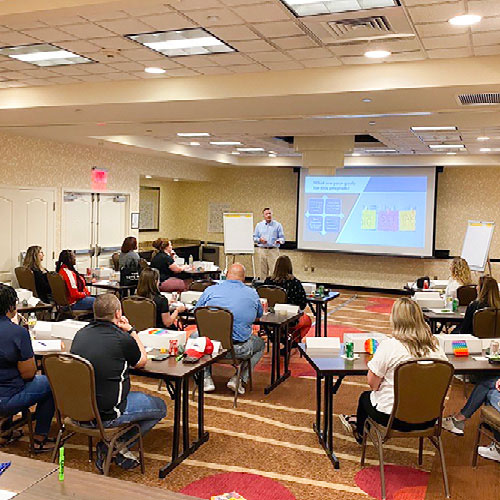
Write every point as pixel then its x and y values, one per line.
pixel 268 237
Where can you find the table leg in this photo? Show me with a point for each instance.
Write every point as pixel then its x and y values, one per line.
pixel 276 377
pixel 325 324
pixel 201 401
pixel 185 414
pixel 317 314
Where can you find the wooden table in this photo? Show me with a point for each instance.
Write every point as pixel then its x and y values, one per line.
pixel 319 306
pixel 277 324
pixel 198 275
pixel 41 306
pixel 23 472
pixel 448 318
pixel 328 368
pixel 36 480
pixel 176 376
pixel 113 286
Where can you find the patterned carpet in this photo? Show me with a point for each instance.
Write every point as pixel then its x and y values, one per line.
pixel 271 436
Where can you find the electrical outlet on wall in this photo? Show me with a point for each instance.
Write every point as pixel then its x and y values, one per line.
pixel 312 269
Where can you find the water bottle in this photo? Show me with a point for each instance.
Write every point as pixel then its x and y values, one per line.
pixel 190 260
pixel 31 325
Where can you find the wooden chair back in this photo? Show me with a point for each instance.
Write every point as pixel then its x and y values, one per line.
pixel 141 312
pixel 273 294
pixel 26 279
pixel 466 294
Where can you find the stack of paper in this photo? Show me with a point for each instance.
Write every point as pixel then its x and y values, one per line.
pixel 322 346
pixel 288 308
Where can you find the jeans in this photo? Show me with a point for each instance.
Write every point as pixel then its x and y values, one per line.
pixel 142 409
pixel 253 348
pixel 85 304
pixel 36 391
pixel 478 396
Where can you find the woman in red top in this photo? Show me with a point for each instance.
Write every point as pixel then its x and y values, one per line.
pixel 78 295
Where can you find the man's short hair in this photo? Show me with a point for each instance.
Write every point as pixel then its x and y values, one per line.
pixel 105 306
pixel 8 299
pixel 264 209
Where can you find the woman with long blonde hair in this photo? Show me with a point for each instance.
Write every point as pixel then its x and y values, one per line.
pixel 33 260
pixel 411 339
pixel 460 276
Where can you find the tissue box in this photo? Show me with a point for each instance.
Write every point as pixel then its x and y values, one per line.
pixel 309 288
pixel 43 330
pixel 67 329
pixel 158 338
pixel 289 308
pixel 189 297
pixel 430 300
pixel 359 339
pixel 23 294
pixel 322 346
pixel 474 344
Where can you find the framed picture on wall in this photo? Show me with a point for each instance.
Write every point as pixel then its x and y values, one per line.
pixel 149 208
pixel 134 220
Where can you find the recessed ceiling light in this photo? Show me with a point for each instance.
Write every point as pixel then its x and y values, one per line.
pixel 446 146
pixel 465 20
pixel 186 42
pixel 44 54
pixel 303 8
pixel 249 150
pixel 356 154
pixel 194 143
pixel 272 155
pixel 225 143
pixel 154 70
pixel 366 99
pixel 377 54
pixel 483 138
pixel 371 123
pixel 485 150
pixel 176 180
pixel 193 134
pixel 148 176
pixel 235 152
pixel 451 153
pixel 430 129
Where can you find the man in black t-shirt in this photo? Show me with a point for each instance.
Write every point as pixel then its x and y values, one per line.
pixel 113 346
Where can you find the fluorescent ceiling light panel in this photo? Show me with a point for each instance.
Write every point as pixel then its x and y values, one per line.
pixel 377 54
pixel 187 42
pixel 380 151
pixel 465 20
pixel 483 138
pixel 194 143
pixel 250 150
pixel 303 8
pixel 43 54
pixel 430 129
pixel 225 143
pixel 446 146
pixel 193 134
pixel 154 71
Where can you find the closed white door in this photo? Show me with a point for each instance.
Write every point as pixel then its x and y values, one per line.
pixel 28 218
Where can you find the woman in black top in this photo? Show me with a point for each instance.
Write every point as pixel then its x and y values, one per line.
pixel 488 296
pixel 34 261
pixel 148 288
pixel 296 295
pixel 168 269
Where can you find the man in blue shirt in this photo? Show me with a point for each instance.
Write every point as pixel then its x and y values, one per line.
pixel 243 301
pixel 268 237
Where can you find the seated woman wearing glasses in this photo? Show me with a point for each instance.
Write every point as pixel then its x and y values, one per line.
pixel 411 339
pixel 34 261
pixel 148 287
pixel 296 295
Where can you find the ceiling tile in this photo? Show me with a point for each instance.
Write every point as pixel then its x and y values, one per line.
pixel 229 59
pixel 449 53
pixel 126 26
pixel 15 38
pixel 313 53
pixel 294 42
pixel 486 38
pixel 269 11
pixel 168 21
pixel 144 9
pixel 196 61
pixel 143 54
pixel 79 46
pixel 437 12
pixel 248 68
pixel 265 57
pixel 104 57
pixel 232 3
pixel 321 63
pixel 440 29
pixel 279 29
pixel 52 20
pixel 115 42
pixel 116 76
pixel 284 65
pixel 98 68
pixel 39 73
pixel 484 7
pixel 487 50
pixel 181 72
pixel 98 78
pixel 127 66
pixel 15 65
pixel 70 70
pixel 49 34
pixel 187 5
pixel 233 33
pixel 446 42
pixel 411 3
pixel 346 49
pixel 252 46
pixel 86 31
pixel 487 24
pixel 35 82
pixel 416 55
pixel 349 60
pixel 215 17
pixel 214 70
pixel 62 80
pixel 21 22
pixel 12 75
pixel 101 13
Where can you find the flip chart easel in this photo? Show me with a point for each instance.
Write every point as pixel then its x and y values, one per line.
pixel 238 236
pixel 476 246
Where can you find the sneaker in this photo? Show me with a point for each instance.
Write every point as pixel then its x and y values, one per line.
pixel 451 424
pixel 232 385
pixel 490 452
pixel 349 424
pixel 101 451
pixel 127 460
pixel 208 384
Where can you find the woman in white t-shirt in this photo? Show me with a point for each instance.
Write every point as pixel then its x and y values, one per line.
pixel 460 276
pixel 411 339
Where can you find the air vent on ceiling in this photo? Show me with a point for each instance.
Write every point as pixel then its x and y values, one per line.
pixel 364 27
pixel 477 99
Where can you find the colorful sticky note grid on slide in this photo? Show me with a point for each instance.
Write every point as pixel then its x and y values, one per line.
pixel 460 348
pixel 407 220
pixel 369 219
pixel 388 220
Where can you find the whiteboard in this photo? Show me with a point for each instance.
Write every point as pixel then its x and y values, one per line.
pixel 477 242
pixel 238 233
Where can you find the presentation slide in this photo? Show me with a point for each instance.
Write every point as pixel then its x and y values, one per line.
pixel 386 211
